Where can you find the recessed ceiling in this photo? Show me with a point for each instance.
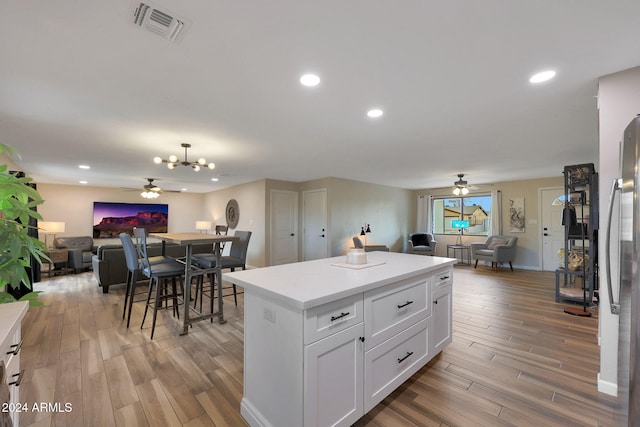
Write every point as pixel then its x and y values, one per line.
pixel 85 85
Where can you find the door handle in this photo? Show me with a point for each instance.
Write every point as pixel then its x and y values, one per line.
pixel 545 234
pixel 615 308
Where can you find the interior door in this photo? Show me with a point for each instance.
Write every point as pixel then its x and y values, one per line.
pixel 314 224
pixel 552 200
pixel 284 227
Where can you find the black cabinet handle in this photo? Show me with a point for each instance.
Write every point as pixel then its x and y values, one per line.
pixel 15 348
pixel 19 380
pixel 444 277
pixel 334 318
pixel 402 359
pixel 405 304
pixel 435 302
pixel 361 339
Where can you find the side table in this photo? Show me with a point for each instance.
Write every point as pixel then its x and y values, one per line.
pixel 58 257
pixel 462 249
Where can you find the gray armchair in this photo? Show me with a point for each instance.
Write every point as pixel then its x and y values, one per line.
pixel 80 251
pixel 421 244
pixel 496 249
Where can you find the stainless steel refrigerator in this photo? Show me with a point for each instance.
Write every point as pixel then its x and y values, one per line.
pixel 625 301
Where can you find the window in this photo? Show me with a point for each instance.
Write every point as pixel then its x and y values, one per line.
pixel 474 210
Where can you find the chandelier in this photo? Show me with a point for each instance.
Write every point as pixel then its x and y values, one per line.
pixel 460 186
pixel 174 161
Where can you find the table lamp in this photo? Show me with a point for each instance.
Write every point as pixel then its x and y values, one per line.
pixel 50 228
pixel 203 226
pixel 461 225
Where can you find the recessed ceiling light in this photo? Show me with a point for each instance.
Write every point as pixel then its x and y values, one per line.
pixel 214 179
pixel 375 113
pixel 84 166
pixel 542 76
pixel 83 182
pixel 310 80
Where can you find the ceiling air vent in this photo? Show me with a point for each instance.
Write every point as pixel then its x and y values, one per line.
pixel 161 22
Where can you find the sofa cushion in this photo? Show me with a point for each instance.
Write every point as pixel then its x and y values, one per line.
pixel 419 240
pixel 495 242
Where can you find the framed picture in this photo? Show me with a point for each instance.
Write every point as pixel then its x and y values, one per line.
pixel 516 215
pixel 111 219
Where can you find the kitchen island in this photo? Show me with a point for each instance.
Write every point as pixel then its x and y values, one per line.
pixel 324 341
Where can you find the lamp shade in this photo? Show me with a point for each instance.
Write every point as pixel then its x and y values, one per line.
pixel 456 223
pixel 52 227
pixel 203 225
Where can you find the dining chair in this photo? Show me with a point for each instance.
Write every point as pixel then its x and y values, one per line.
pixel 237 258
pixel 158 273
pixel 133 270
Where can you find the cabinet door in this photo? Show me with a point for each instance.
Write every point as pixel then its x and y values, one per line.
pixel 333 379
pixel 442 311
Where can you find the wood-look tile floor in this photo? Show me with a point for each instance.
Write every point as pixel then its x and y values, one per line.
pixel 516 359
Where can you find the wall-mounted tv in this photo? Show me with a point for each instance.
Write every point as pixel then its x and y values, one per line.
pixel 111 219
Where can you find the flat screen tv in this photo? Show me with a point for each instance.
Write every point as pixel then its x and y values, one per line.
pixel 111 219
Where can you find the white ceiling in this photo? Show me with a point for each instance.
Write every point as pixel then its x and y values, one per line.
pixel 81 84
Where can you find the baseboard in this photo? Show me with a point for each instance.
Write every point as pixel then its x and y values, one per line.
pixel 607 387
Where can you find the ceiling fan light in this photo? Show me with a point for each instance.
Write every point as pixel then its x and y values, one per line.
pixel 456 191
pixel 157 160
pixel 173 158
pixel 465 191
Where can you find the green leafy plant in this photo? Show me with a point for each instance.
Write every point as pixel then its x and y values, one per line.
pixel 17 199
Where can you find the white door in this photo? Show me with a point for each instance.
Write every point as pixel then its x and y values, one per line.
pixel 552 200
pixel 314 224
pixel 284 227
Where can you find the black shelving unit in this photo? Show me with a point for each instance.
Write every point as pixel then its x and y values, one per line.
pixel 577 279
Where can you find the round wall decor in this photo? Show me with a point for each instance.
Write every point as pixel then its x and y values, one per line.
pixel 232 213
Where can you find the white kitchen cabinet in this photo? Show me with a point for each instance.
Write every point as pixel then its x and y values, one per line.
pixel 11 316
pixel 333 379
pixel 325 343
pixel 441 325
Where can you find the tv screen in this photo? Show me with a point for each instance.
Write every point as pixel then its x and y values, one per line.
pixel 111 219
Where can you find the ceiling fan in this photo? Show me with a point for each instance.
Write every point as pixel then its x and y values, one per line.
pixel 462 187
pixel 151 190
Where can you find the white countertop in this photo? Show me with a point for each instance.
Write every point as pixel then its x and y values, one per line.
pixel 307 284
pixel 10 314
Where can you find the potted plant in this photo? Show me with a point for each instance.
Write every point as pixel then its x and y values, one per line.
pixel 17 199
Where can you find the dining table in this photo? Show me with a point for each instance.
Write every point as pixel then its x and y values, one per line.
pixel 188 239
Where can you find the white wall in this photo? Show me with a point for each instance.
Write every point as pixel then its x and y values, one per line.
pixel 73 204
pixel 352 204
pixel 619 102
pixel 528 254
pixel 251 204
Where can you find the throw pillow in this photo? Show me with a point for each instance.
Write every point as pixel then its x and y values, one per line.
pixel 420 240
pixel 495 242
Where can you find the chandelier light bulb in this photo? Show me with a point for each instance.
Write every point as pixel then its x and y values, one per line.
pixel 202 161
pixel 212 165
pixel 173 158
pixel 157 160
pixel 171 165
pixel 196 168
